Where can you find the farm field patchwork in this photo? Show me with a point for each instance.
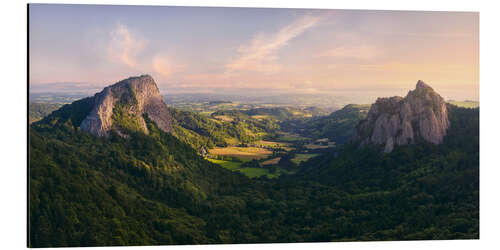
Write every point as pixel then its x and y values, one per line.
pixel 241 152
pixel 303 157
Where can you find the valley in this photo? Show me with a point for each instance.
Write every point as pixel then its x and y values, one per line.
pixel 244 137
pixel 244 173
pixel 271 139
pixel 270 144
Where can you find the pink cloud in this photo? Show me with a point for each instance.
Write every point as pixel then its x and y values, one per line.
pixel 260 53
pixel 164 66
pixel 124 47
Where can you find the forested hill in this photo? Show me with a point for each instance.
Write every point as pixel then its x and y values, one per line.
pixel 204 131
pixel 37 111
pixel 143 189
pixel 419 191
pixel 154 189
pixel 339 126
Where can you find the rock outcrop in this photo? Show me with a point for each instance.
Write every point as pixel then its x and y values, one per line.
pixel 399 121
pixel 123 106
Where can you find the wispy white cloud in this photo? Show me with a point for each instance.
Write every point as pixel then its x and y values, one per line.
pixel 260 54
pixel 124 46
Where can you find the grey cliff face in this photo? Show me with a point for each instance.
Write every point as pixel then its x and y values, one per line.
pixel 136 96
pixel 399 121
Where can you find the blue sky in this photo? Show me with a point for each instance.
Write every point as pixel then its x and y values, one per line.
pixel 199 49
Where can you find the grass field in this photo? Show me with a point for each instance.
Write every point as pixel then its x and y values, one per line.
pixel 242 152
pixel 301 114
pixel 302 157
pixel 257 172
pixel 317 146
pixel 224 118
pixel 273 161
pixel 253 172
pixel 231 165
pixel 273 144
pixel 465 104
pixel 206 113
pixel 287 137
pixel 260 117
pixel 250 172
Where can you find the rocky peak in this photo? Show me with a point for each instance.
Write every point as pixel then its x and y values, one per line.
pixel 399 121
pixel 122 106
pixel 421 85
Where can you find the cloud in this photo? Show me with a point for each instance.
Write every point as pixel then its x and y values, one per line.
pixel 260 53
pixel 124 47
pixel 363 52
pixel 164 67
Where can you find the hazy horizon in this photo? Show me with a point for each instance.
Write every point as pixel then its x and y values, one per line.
pixel 254 51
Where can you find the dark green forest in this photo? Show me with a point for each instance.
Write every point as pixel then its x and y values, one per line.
pixel 156 189
pixel 339 126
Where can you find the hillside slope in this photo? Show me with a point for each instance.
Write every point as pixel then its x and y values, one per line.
pixel 37 111
pixel 151 188
pixel 80 185
pixel 339 126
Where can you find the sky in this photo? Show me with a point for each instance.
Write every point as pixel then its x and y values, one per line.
pixel 254 50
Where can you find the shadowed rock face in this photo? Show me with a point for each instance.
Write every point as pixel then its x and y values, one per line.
pixel 135 97
pixel 399 121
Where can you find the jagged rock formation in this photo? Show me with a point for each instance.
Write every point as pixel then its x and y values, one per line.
pixel 122 106
pixel 399 121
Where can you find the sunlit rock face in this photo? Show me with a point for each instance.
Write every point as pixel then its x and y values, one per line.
pixel 134 97
pixel 399 121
